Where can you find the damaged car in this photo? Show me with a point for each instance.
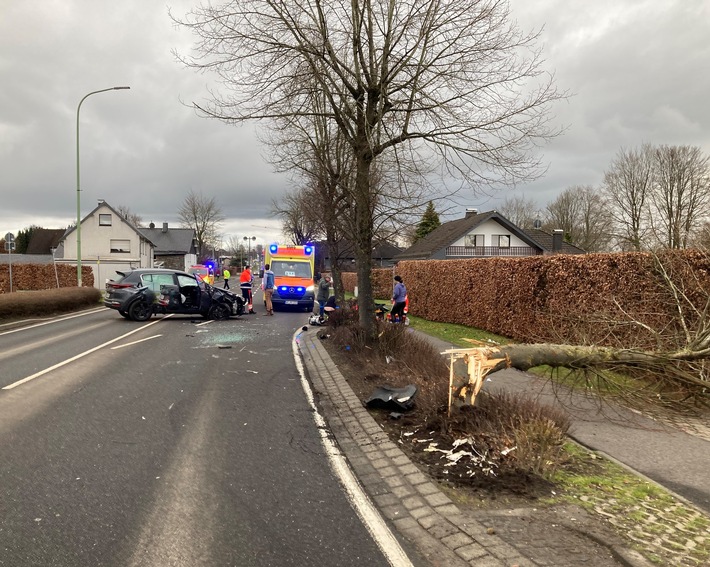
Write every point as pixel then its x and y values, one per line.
pixel 138 294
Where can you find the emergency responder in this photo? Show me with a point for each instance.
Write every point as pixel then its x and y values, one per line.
pixel 245 280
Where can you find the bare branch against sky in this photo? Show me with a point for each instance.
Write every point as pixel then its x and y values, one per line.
pixel 624 61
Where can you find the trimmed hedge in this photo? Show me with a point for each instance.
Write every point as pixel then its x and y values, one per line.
pixel 47 302
pixel 604 299
pixel 41 276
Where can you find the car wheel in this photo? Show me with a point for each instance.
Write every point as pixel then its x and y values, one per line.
pixel 124 314
pixel 219 311
pixel 140 311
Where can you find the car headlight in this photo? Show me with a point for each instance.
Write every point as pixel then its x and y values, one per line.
pixel 310 288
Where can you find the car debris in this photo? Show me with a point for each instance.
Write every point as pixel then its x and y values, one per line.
pixel 388 397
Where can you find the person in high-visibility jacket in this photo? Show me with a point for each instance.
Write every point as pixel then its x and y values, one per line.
pixel 245 280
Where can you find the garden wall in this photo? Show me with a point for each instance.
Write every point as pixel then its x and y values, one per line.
pixel 42 276
pixel 605 299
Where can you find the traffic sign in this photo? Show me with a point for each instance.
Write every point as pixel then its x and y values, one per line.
pixel 9 242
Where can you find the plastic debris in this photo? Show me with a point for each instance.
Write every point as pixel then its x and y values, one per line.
pixel 398 399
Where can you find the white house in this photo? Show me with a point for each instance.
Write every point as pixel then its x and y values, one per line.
pixel 485 235
pixel 108 243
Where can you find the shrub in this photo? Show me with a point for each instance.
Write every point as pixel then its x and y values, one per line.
pixel 47 302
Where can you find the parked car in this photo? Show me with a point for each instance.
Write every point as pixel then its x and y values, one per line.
pixel 139 293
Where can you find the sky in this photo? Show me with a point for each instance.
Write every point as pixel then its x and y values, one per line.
pixel 637 71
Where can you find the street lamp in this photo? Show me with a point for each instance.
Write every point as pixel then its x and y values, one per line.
pixel 249 239
pixel 78 185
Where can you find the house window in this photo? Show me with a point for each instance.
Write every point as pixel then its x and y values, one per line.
pixel 120 246
pixel 104 220
pixel 504 241
pixel 475 240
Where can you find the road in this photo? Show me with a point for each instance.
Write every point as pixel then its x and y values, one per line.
pixel 172 442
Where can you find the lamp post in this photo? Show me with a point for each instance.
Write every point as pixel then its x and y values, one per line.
pixel 249 239
pixel 78 184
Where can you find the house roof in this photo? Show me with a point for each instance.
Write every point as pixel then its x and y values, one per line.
pixel 170 240
pixel 103 203
pixel 544 239
pixel 451 231
pixel 44 239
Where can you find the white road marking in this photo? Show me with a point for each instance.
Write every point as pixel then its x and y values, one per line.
pixel 204 323
pixel 93 311
pixel 78 356
pixel 370 517
pixel 136 342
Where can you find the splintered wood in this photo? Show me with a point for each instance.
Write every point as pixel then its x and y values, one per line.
pixel 468 368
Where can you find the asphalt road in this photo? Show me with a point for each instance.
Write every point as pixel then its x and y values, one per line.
pixel 175 442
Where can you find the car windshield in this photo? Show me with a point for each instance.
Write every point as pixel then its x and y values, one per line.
pixel 292 269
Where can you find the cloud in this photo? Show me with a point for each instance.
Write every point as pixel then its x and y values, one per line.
pixel 636 71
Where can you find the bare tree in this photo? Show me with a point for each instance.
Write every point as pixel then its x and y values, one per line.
pixel 681 194
pixel 204 216
pixel 455 80
pixel 300 220
pixel 129 215
pixel 580 211
pixel 627 187
pixel 520 211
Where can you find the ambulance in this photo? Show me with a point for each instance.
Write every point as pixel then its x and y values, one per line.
pixel 202 272
pixel 293 268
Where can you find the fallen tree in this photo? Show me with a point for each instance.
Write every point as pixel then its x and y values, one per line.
pixel 482 361
pixel 675 371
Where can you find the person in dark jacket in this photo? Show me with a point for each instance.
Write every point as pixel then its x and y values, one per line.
pixel 399 298
pixel 323 293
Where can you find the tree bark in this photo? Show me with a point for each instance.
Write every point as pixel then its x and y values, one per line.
pixel 467 380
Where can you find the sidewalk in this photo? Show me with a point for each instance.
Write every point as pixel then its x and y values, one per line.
pixel 423 515
pixel 676 457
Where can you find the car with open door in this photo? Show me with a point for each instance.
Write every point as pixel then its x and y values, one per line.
pixel 138 294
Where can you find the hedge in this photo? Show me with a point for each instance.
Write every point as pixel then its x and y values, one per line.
pixel 605 299
pixel 27 277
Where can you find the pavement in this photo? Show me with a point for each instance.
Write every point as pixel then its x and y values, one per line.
pixel 418 511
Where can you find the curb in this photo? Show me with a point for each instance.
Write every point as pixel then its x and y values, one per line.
pixel 405 496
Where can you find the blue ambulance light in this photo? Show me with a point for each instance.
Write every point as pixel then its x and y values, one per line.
pixel 274 248
pixel 299 289
pixel 308 250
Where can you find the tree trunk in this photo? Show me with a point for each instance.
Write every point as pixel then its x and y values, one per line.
pixel 363 243
pixel 469 367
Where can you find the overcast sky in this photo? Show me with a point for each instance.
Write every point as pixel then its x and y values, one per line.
pixel 638 71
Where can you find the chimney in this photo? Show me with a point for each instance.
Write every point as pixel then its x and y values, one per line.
pixel 557 240
pixel 471 212
pixel 165 227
